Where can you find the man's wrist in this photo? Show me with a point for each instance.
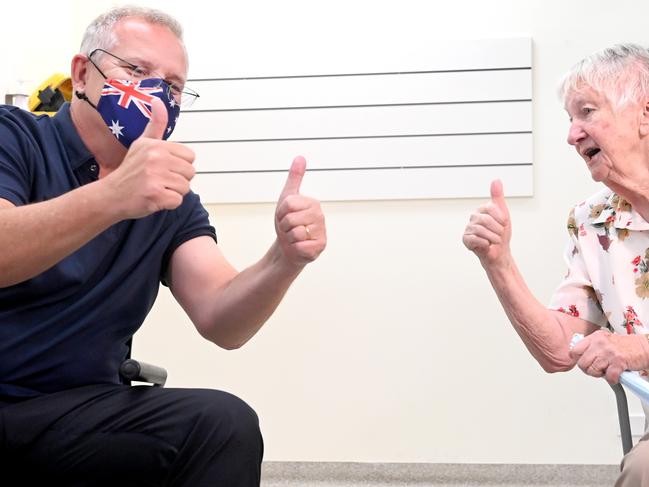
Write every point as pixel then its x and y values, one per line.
pixel 281 263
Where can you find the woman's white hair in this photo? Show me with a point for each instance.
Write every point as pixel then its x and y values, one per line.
pixel 100 34
pixel 620 72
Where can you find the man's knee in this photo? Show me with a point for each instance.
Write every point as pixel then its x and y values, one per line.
pixel 244 421
pixel 230 421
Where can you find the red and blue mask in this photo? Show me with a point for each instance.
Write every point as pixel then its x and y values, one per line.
pixel 125 106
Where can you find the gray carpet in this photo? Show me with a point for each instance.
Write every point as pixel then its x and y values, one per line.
pixel 332 474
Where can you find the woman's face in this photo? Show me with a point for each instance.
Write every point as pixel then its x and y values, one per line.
pixel 607 137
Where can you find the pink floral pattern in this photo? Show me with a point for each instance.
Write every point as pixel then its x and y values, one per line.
pixel 631 320
pixel 570 310
pixel 607 282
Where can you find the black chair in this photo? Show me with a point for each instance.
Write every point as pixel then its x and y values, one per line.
pixel 134 370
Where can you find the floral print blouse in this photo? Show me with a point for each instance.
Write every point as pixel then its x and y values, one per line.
pixel 608 265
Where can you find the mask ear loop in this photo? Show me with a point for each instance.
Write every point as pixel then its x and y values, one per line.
pixel 82 96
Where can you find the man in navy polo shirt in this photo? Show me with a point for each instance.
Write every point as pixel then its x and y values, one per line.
pixel 95 211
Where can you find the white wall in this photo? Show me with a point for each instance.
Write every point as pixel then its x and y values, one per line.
pixel 392 347
pixel 36 41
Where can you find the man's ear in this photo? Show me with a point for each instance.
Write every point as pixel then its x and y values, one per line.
pixel 644 120
pixel 79 72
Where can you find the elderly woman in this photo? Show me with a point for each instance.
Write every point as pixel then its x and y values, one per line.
pixel 606 288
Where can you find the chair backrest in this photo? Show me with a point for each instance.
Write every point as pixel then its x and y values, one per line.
pixel 134 370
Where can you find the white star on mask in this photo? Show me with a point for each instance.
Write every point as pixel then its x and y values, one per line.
pixel 116 129
pixel 172 103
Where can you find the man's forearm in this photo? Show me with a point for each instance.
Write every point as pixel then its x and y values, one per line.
pixel 35 237
pixel 247 301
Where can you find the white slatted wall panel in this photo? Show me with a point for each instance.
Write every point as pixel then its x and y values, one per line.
pixel 441 129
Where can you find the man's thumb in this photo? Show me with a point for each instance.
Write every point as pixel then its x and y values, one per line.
pixel 294 179
pixel 157 125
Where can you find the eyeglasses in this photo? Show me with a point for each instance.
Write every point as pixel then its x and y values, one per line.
pixel 182 95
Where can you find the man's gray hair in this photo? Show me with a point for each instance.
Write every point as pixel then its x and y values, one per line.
pixel 620 72
pixel 100 34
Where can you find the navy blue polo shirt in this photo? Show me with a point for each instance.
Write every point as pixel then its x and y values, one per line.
pixel 70 325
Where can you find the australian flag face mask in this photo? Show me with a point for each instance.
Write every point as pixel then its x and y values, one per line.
pixel 125 106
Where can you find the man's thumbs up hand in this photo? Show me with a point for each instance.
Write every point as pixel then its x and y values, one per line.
pixel 154 175
pixel 299 221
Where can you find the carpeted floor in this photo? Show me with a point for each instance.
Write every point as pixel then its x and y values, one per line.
pixel 329 474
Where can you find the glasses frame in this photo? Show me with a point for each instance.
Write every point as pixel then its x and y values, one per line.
pixel 187 95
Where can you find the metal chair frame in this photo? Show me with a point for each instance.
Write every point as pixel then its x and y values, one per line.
pixel 623 417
